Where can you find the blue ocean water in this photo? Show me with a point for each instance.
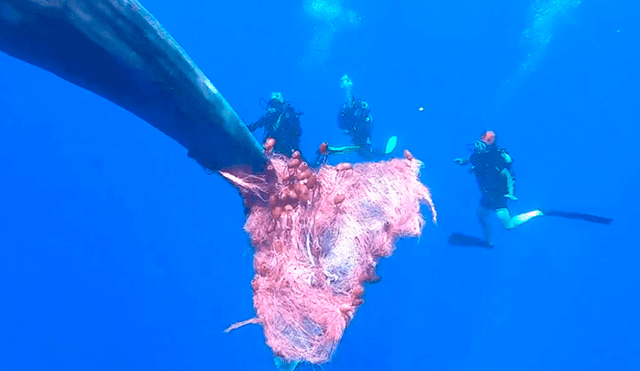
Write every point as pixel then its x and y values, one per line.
pixel 117 252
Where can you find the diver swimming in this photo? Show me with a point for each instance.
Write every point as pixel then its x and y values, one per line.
pixel 355 120
pixel 492 167
pixel 281 122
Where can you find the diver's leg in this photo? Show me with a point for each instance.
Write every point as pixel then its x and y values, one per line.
pixel 510 222
pixel 344 150
pixel 483 218
pixel 321 158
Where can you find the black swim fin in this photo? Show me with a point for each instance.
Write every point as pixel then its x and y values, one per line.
pixel 578 216
pixel 459 239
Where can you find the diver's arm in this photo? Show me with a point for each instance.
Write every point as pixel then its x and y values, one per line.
pixel 462 161
pixel 510 183
pixel 508 176
pixel 256 125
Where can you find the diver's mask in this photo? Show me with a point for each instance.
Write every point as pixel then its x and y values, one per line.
pixel 486 143
pixel 480 147
pixel 274 103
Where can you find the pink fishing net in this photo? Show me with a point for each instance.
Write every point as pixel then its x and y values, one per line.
pixel 318 236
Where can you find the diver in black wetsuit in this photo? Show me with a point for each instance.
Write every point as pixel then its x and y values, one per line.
pixel 355 120
pixel 493 169
pixel 282 123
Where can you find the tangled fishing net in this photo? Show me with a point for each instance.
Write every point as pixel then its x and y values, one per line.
pixel 318 236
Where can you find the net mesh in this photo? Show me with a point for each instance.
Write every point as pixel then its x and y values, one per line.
pixel 318 236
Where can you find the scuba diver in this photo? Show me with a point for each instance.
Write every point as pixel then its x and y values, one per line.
pixel 493 169
pixel 355 120
pixel 282 123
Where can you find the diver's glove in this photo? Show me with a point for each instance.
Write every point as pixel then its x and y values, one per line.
pixel 511 197
pixel 321 154
pixel 461 161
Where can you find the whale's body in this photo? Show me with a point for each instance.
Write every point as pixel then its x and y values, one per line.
pixel 116 49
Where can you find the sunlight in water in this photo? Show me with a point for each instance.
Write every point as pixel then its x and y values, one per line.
pixel 547 16
pixel 328 18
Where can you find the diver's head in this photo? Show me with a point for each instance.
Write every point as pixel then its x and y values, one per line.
pixel 486 142
pixel 276 100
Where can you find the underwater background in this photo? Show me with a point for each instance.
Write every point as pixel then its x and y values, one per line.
pixel 118 252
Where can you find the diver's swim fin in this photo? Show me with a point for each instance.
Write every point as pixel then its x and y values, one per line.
pixel 283 365
pixel 459 239
pixel 578 216
pixel 391 145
